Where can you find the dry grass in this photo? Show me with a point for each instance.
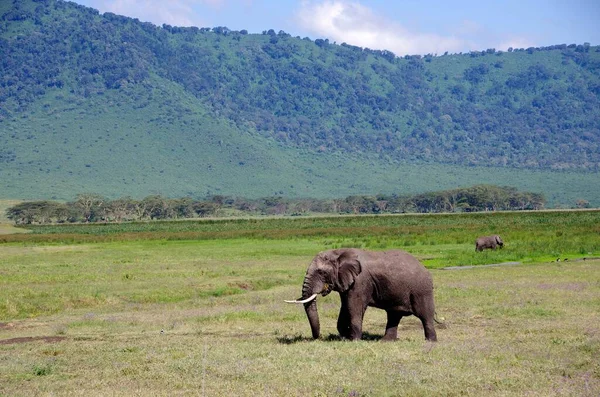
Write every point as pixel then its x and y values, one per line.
pixel 11 229
pixel 513 331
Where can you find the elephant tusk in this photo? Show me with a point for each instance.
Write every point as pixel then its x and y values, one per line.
pixel 310 298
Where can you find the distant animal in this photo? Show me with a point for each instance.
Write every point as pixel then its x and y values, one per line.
pixel 488 242
pixel 394 281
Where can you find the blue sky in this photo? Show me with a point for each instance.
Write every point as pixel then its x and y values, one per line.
pixel 403 27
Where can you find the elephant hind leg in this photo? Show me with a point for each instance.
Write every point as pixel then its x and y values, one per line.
pixel 428 327
pixel 424 309
pixel 391 328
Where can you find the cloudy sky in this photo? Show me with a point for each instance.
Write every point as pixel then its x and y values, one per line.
pixel 401 26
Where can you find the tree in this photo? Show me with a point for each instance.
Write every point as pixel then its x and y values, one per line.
pixel 24 213
pixel 205 208
pixel 38 212
pixel 476 74
pixel 157 207
pixel 122 209
pixel 183 207
pixel 581 203
pixel 90 206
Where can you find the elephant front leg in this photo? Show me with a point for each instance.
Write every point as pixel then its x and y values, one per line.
pixel 357 313
pixel 356 328
pixel 343 323
pixel 391 328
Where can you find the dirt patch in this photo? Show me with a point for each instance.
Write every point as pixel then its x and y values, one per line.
pixel 25 339
pixel 6 325
pixel 564 286
pixel 244 286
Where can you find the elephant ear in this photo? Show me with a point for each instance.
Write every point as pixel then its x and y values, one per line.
pixel 349 268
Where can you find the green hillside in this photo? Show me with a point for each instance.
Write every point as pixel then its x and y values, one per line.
pixel 101 103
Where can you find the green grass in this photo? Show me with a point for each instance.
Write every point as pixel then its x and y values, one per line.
pixel 41 280
pixel 205 316
pixel 439 240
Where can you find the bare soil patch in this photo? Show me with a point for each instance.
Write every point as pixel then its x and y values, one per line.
pixel 25 339
pixel 6 325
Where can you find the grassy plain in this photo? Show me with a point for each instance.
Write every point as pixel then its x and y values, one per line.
pixel 196 308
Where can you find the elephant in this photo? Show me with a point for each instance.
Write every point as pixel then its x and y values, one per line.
pixel 394 281
pixel 488 242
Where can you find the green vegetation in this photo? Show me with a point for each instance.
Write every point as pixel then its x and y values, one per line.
pixel 530 236
pixel 517 108
pixel 196 307
pixel 111 105
pixel 94 208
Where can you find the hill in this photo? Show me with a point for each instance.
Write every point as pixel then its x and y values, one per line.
pixel 102 103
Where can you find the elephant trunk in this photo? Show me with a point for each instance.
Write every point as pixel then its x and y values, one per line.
pixel 310 289
pixel 313 318
pixel 311 308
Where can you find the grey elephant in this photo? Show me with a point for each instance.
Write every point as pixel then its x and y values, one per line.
pixel 394 281
pixel 490 242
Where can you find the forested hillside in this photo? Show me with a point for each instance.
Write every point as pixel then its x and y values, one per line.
pixel 71 77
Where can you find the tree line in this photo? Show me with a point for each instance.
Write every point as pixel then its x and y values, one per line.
pixel 88 208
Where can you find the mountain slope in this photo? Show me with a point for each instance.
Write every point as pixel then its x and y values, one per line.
pixel 104 103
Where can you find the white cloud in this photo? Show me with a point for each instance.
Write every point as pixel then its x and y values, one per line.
pixel 517 42
pixel 353 23
pixel 172 12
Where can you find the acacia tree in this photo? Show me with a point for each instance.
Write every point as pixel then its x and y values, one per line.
pixel 38 212
pixel 183 207
pixel 157 207
pixel 24 213
pixel 121 209
pixel 205 208
pixel 94 208
pixel 91 206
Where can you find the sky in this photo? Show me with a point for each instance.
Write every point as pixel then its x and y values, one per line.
pixel 403 26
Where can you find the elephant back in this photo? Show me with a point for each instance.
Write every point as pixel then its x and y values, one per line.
pixel 401 268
